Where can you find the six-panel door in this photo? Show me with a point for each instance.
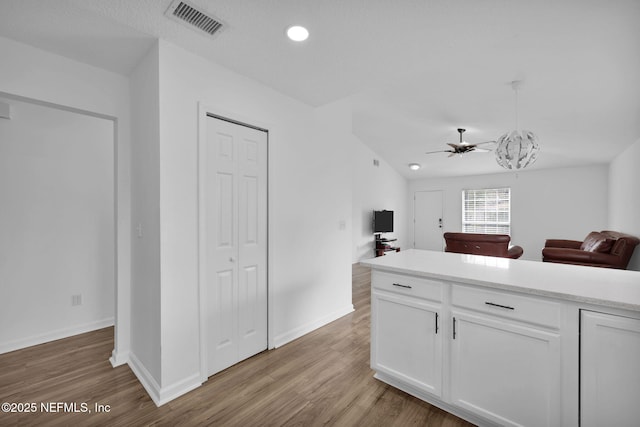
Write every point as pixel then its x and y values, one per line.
pixel 235 233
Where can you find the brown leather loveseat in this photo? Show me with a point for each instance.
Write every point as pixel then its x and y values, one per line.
pixel 481 244
pixel 599 249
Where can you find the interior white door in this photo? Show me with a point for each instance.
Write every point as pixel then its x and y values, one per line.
pixel 236 242
pixel 427 220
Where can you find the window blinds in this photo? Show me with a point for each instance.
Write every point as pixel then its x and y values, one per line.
pixel 486 211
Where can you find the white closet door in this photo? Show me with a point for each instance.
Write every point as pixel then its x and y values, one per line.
pixel 236 246
pixel 252 242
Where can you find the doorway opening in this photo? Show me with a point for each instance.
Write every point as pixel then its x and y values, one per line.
pixel 58 244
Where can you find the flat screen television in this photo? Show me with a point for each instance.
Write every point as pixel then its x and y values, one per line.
pixel 382 221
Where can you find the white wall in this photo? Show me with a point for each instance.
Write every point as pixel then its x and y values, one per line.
pixel 56 224
pixel 145 218
pixel 624 196
pixel 309 207
pixel 376 188
pixel 35 74
pixel 564 203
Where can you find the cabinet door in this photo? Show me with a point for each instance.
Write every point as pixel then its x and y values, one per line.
pixel 506 372
pixel 406 340
pixel 609 370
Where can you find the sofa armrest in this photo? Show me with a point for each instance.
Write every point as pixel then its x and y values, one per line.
pixel 561 243
pixel 577 256
pixel 515 252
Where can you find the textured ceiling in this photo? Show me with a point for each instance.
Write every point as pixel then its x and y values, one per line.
pixel 414 70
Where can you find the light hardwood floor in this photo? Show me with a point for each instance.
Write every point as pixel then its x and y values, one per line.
pixel 322 378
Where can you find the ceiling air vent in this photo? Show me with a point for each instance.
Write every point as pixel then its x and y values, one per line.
pixel 186 12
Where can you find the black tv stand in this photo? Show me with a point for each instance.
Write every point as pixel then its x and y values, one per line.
pixel 383 245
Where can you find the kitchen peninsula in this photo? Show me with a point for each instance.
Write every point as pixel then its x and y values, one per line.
pixel 509 342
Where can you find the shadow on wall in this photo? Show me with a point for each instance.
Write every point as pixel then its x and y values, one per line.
pixel 365 245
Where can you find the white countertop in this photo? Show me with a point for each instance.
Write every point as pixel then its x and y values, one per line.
pixel 593 285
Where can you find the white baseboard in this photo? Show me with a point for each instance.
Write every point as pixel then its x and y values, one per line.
pixel 145 378
pixel 162 395
pixel 119 358
pixel 178 389
pixel 291 335
pixel 55 335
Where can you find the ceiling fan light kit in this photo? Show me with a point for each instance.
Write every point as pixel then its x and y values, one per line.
pixel 516 149
pixel 463 147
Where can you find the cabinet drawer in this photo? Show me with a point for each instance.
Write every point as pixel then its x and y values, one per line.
pixel 418 287
pixel 523 308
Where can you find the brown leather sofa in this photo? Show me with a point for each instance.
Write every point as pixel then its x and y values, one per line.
pixel 599 249
pixel 481 244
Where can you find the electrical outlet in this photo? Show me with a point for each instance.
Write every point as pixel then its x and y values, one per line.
pixel 76 299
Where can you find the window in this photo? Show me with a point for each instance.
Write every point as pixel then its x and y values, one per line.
pixel 486 211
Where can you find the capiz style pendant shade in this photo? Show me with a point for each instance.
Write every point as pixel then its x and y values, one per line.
pixel 517 150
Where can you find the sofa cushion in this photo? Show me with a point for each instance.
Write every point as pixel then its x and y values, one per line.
pixel 619 247
pixel 597 242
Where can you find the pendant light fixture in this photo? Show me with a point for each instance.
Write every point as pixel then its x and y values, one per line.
pixel 517 149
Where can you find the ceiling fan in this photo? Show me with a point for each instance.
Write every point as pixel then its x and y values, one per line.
pixel 463 147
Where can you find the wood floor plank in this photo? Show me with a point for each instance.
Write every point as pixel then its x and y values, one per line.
pixel 322 378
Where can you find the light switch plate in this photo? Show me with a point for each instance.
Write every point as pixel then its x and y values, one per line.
pixel 5 110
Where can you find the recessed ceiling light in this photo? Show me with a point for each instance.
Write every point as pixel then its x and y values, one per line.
pixel 414 166
pixel 297 33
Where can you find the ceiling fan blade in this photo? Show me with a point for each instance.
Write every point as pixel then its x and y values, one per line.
pixel 452 145
pixel 486 142
pixel 440 151
pixel 453 153
pixel 482 150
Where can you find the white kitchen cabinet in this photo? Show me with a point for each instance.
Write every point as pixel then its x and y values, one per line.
pixel 506 356
pixel 609 370
pixel 504 371
pixel 530 347
pixel 406 332
pixel 407 340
